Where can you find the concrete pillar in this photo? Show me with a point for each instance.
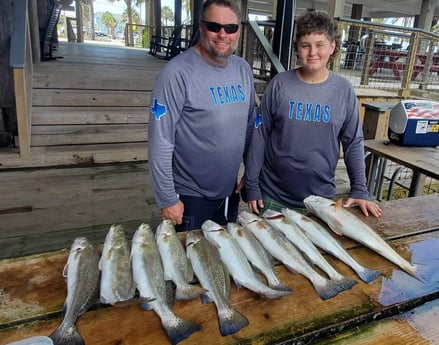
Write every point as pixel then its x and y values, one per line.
pixel 426 15
pixel 336 8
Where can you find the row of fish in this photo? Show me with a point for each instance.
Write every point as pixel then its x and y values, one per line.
pixel 118 272
pixel 214 254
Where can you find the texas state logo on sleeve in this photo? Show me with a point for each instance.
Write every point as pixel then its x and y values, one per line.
pixel 258 120
pixel 158 109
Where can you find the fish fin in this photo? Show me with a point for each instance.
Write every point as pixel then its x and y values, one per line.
pixel 280 286
pixel 67 334
pixel 335 225
pixel 205 298
pixel 339 204
pixel 346 283
pixel 146 306
pixel 188 292
pixel 231 321
pixel 180 331
pixel 327 290
pixel 368 275
pixel 65 270
pixel 271 293
pixel 142 300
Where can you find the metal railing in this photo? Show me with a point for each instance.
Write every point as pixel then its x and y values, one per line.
pixel 372 56
pixel 389 57
pixel 137 35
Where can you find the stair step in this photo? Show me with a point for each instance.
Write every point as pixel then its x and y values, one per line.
pixel 89 115
pixel 88 134
pixel 91 98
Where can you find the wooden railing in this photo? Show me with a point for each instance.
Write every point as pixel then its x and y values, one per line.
pixel 21 63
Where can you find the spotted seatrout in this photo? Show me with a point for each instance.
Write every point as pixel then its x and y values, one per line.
pixel 236 262
pixel 214 277
pixel 149 277
pixel 323 239
pixel 117 284
pixel 175 262
pixel 256 254
pixel 82 274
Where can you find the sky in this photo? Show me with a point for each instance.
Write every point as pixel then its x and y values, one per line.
pixel 119 6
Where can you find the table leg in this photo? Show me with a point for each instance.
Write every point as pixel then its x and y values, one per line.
pixel 417 184
pixel 372 181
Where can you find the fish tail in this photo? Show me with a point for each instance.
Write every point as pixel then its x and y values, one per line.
pixel 367 275
pixel 231 321
pixel 180 330
pixel 278 285
pixel 188 292
pixel 328 289
pixel 66 335
pixel 414 271
pixel 346 283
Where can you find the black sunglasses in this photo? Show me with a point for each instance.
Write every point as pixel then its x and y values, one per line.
pixel 216 27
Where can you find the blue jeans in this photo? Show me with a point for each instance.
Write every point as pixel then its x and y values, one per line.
pixel 199 209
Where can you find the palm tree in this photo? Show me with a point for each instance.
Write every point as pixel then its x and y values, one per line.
pixel 167 15
pixel 110 22
pixel 129 13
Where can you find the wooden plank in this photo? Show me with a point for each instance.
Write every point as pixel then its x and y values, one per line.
pixel 87 115
pixel 49 201
pixel 23 112
pixel 88 134
pixel 91 98
pixel 47 156
pixel 106 78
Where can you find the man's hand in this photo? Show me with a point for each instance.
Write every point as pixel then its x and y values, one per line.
pixel 174 213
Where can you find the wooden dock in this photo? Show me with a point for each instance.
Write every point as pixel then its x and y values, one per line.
pixel 88 164
pixel 394 309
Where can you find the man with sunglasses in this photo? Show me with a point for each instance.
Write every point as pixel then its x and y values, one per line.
pixel 201 115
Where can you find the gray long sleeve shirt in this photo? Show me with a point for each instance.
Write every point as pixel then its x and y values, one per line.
pixel 296 141
pixel 199 120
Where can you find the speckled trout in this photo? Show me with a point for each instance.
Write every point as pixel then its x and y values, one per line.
pixel 117 284
pixel 282 249
pixel 291 231
pixel 257 255
pixel 82 274
pixel 176 265
pixel 214 277
pixel 149 277
pixel 236 262
pixel 343 222
pixel 323 239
